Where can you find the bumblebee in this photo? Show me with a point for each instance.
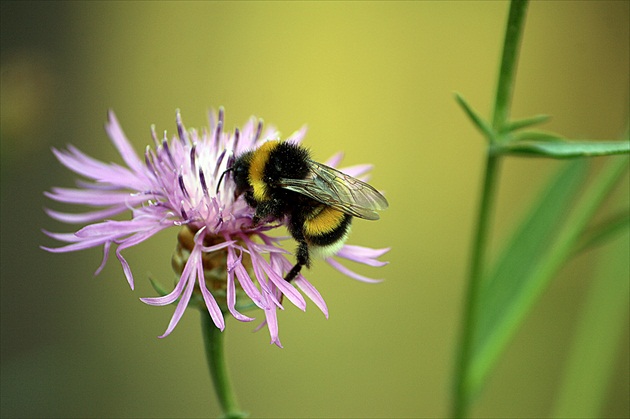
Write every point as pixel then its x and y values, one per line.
pixel 281 182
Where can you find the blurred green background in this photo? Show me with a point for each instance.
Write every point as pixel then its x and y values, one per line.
pixel 373 79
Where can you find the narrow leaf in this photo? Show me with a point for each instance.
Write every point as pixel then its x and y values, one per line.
pixel 603 323
pixel 566 149
pixel 604 231
pixel 534 136
pixel 506 282
pixel 527 122
pixel 158 287
pixel 541 246
pixel 479 122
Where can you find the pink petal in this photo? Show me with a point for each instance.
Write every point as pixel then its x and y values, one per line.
pixel 298 135
pixel 177 291
pixel 357 170
pixel 141 236
pixel 211 303
pixel 80 245
pixel 95 198
pixel 257 263
pixel 64 237
pixel 272 324
pixel 363 255
pixel 335 159
pixel 85 217
pixel 264 248
pixel 350 273
pixel 106 248
pixel 248 285
pixel 181 306
pixel 312 293
pixel 121 228
pixel 126 267
pixel 231 288
pixel 231 300
pixel 111 175
pixel 361 251
pixel 286 288
pixel 216 247
pixel 121 142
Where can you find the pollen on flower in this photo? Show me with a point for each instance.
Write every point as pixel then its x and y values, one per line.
pixel 223 261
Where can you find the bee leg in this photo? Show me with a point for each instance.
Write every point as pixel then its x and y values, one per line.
pixel 303 259
pixel 293 273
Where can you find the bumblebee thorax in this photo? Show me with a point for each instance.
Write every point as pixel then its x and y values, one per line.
pixel 273 161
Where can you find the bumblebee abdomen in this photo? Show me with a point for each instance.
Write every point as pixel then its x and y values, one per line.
pixel 327 226
pixel 327 231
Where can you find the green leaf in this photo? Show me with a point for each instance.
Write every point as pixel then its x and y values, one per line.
pixel 506 284
pixel 479 122
pixel 527 122
pixel 538 249
pixel 534 136
pixel 604 231
pixel 565 149
pixel 601 327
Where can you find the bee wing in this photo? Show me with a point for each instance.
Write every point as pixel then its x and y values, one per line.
pixel 338 190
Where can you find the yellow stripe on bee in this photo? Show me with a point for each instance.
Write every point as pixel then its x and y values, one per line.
pixel 257 169
pixel 326 221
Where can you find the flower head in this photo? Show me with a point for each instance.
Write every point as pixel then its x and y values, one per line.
pixel 220 254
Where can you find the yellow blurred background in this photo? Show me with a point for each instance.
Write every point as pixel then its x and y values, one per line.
pixel 375 80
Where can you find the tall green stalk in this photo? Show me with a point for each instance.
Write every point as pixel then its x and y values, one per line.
pixel 462 396
pixel 507 72
pixel 469 318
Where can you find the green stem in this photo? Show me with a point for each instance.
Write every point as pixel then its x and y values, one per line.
pixel 507 72
pixel 505 87
pixel 213 342
pixel 470 315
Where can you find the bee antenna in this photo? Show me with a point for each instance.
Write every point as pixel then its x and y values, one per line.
pixel 229 169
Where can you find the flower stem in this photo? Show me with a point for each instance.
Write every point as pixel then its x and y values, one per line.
pixel 213 342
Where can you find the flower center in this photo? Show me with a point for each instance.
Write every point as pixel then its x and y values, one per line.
pixel 215 267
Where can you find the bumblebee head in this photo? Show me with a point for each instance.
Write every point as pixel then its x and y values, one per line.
pixel 240 175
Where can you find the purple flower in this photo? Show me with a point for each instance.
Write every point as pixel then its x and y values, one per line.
pixel 219 255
